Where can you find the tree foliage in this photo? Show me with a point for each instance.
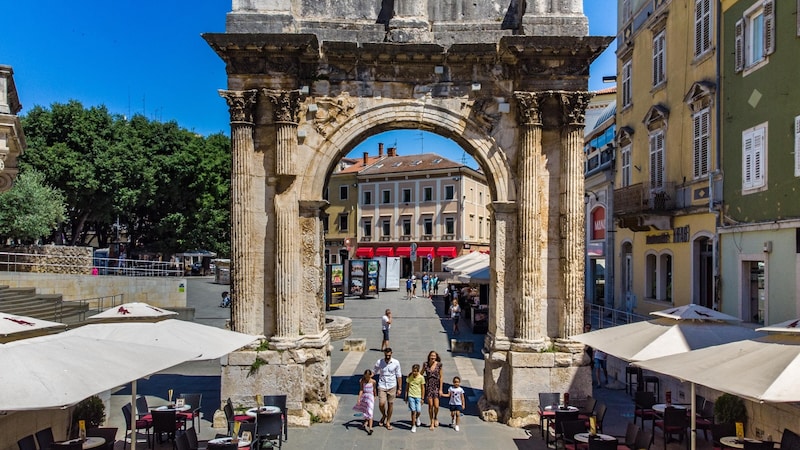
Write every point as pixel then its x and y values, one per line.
pixel 166 187
pixel 31 209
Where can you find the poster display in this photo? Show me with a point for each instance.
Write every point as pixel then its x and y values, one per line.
pixel 334 292
pixel 372 277
pixel 356 278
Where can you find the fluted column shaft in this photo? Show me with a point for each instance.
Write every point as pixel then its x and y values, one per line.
pixel 572 212
pixel 528 168
pixel 244 299
pixel 288 271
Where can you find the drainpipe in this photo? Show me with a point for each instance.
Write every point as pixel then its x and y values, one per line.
pixel 713 207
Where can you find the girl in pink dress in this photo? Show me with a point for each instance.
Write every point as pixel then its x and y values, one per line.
pixel 366 399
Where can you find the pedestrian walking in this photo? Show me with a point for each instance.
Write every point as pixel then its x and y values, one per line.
pixel 435 284
pixel 425 281
pixel 457 402
pixel 455 315
pixel 366 399
pixel 409 284
pixel 386 324
pixel 390 385
pixel 434 377
pixel 415 390
pixel 600 366
pixel 414 287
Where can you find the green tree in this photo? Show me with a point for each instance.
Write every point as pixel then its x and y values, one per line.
pixel 31 209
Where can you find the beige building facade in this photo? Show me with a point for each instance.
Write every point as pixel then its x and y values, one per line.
pixel 303 91
pixel 12 139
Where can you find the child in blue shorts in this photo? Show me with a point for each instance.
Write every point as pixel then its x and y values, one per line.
pixel 457 402
pixel 415 390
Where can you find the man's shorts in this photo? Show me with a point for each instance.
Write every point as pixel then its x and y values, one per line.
pixel 385 335
pixel 387 394
pixel 458 408
pixel 414 404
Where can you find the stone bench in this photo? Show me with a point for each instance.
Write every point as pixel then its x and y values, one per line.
pixel 354 345
pixel 457 346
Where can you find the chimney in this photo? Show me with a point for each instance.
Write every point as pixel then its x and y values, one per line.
pixel 380 149
pixel 366 158
pixel 392 151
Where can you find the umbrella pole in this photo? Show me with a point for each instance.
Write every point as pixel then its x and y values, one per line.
pixel 134 416
pixel 692 420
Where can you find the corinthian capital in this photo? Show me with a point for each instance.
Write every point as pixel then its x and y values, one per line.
pixel 286 103
pixel 573 107
pixel 529 109
pixel 240 104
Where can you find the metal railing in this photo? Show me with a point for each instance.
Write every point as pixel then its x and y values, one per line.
pixel 48 263
pixel 601 316
pixel 85 307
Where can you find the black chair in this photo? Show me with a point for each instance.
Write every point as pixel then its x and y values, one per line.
pixel 603 444
pixel 107 433
pixel 588 408
pixel 233 417
pixel 280 402
pixel 143 410
pixel 631 434
pixel 555 429
pixel 643 406
pixel 182 442
pixel 194 401
pixel 247 426
pixel 674 422
pixel 269 428
pixel 761 445
pixel 132 427
pixel 165 422
pixel 68 445
pixel 569 428
pixel 45 438
pixel 790 440
pixel 720 430
pixel 644 439
pixel 644 381
pixel 191 435
pixel 600 415
pixel 27 443
pixel 705 418
pixel 547 399
pixel 630 373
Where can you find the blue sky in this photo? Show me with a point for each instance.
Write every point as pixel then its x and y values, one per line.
pixel 147 57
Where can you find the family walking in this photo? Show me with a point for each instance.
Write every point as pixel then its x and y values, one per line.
pixel 424 385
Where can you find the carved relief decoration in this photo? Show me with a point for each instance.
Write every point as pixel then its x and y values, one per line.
pixel 332 112
pixel 286 104
pixel 240 105
pixel 483 112
pixel 529 107
pixel 573 107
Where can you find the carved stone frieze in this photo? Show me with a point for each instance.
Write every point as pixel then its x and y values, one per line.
pixel 332 112
pixel 483 112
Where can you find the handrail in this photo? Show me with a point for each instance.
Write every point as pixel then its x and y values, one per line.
pixel 601 316
pixel 87 306
pixel 39 263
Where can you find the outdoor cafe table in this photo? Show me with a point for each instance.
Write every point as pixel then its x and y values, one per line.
pixel 660 407
pixel 225 443
pixel 584 437
pixel 734 442
pixel 90 442
pixel 253 412
pixel 176 408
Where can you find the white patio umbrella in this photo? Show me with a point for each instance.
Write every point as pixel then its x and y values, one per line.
pixel 478 275
pixel 676 331
pixel 13 327
pixel 457 264
pixel 59 370
pixel 133 311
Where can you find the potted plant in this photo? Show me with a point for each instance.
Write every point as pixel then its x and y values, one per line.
pixel 91 410
pixel 730 409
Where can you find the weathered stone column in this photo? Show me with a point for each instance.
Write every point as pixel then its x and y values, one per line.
pixel 410 22
pixel 286 105
pixel 240 106
pixel 573 237
pixel 504 244
pixel 531 309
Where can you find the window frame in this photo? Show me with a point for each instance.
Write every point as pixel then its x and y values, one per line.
pixel 747 40
pixel 754 159
pixel 657 148
pixel 626 158
pixel 344 222
pixel 427 194
pixel 367 227
pixel 627 75
pixel 659 58
pixel 406 195
pixel 450 192
pixel 406 227
pixel 367 197
pixel 703 27
pixel 386 197
pixel 344 191
pixel 701 148
pixel 386 228
pixel 427 226
pixel 450 225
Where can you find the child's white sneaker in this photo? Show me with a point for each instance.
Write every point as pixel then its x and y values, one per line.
pixel 418 422
pixel 413 428
pixel 456 427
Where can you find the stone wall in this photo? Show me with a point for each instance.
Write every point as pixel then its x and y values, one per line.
pixel 47 259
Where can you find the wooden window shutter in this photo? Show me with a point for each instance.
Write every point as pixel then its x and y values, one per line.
pixel 769 27
pixel 747 160
pixel 739 46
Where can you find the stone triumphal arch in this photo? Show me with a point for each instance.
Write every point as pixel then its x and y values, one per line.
pixel 310 79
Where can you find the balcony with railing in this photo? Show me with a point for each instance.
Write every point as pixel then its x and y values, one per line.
pixel 640 199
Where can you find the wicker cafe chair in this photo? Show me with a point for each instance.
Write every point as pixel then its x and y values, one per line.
pixel 133 427
pixel 45 438
pixel 547 399
pixel 193 400
pixel 269 428
pixel 674 422
pixel 280 402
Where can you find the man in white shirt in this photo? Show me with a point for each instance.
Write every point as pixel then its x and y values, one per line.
pixel 386 324
pixel 390 382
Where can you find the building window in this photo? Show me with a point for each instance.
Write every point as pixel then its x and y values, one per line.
pixel 659 57
pixel 449 192
pixel 701 123
pixel 658 277
pixel 428 226
pixel 343 222
pixel 367 197
pixel 754 157
pixel 627 11
pixel 386 196
pixel 480 227
pixel 657 160
pixel 344 190
pixel 386 229
pixel 427 194
pixel 325 224
pixel 480 198
pixel 450 225
pixel 702 26
pixel 367 228
pixel 755 36
pixel 406 227
pixel 627 95
pixel 626 166
pixel 406 195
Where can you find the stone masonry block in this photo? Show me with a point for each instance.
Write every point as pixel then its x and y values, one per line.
pixel 457 346
pixel 354 345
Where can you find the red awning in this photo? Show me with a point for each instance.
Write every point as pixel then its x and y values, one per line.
pixel 447 252
pixel 365 252
pixel 403 251
pixel 384 251
pixel 423 252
